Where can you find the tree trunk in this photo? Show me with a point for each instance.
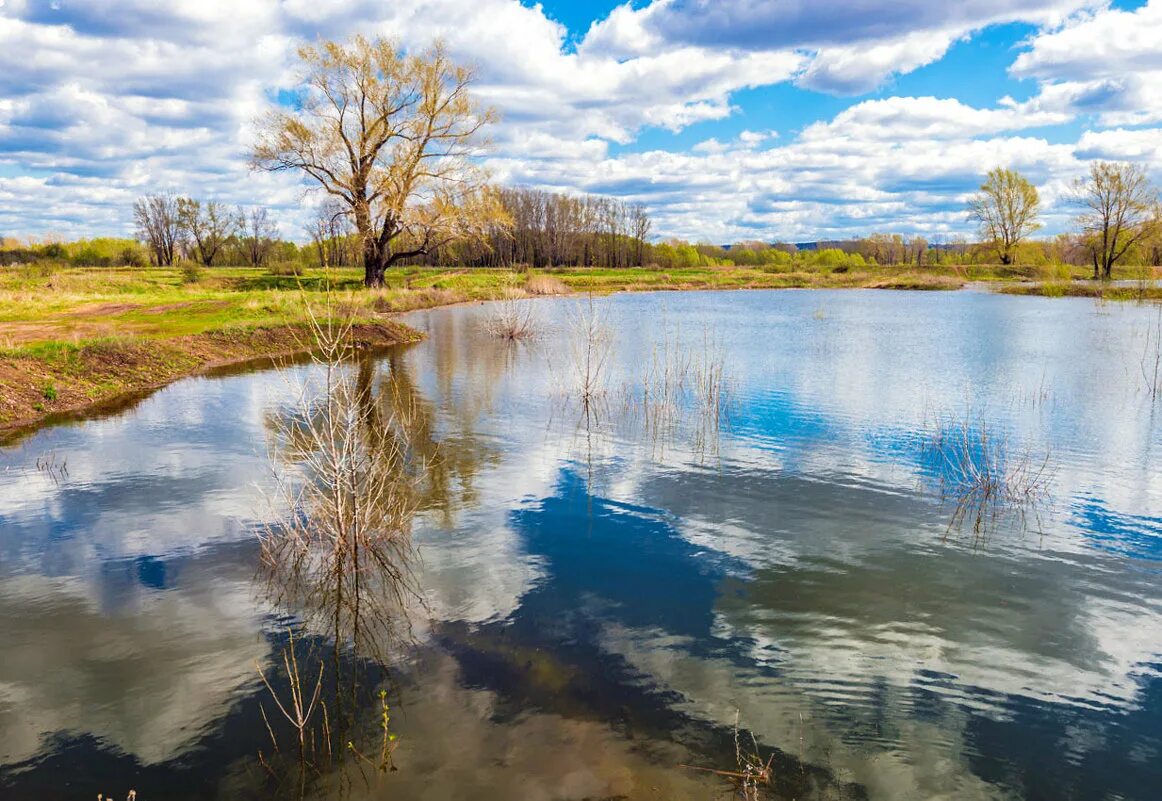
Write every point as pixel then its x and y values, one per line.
pixel 374 265
pixel 374 251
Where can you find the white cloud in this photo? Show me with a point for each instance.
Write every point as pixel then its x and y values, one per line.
pixel 905 118
pixel 1107 63
pixel 1119 144
pixel 105 100
pixel 905 164
pixel 853 46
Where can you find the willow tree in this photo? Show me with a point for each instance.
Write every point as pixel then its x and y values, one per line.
pixel 1006 207
pixel 1120 209
pixel 395 139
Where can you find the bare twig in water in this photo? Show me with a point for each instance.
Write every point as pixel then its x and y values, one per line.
pixel 1151 362
pixel 751 773
pixel 591 346
pixel 56 469
pixel 339 551
pixel 298 710
pixel 512 318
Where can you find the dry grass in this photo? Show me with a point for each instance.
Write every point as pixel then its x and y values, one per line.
pixel 545 285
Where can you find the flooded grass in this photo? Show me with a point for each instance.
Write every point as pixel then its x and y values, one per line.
pixel 984 477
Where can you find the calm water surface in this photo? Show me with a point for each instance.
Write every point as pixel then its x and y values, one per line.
pixel 603 596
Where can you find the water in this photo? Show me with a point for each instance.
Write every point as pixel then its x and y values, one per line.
pixel 604 597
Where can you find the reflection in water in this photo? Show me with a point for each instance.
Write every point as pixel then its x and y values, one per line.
pixel 340 555
pixel 595 610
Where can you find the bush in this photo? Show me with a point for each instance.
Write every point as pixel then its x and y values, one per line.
pixel 131 257
pixel 285 268
pixel 191 272
pixel 1054 272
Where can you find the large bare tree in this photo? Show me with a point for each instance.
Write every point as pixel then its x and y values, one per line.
pixel 156 217
pixel 395 137
pixel 1006 207
pixel 1119 210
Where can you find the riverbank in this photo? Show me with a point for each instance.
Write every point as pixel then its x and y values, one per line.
pixel 56 378
pixel 75 337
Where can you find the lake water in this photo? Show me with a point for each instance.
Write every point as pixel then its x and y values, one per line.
pixel 615 591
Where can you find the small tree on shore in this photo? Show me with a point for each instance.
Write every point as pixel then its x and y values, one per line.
pixel 156 217
pixel 1006 208
pixel 394 138
pixel 1120 209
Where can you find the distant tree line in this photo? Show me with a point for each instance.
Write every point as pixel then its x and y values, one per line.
pixel 1119 222
pixel 173 227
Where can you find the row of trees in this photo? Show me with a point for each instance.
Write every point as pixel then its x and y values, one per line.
pixel 174 227
pixel 1120 214
pixel 533 227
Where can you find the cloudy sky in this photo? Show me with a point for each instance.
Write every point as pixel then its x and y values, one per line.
pixel 729 119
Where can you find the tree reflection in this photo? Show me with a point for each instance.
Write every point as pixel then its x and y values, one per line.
pixel 358 454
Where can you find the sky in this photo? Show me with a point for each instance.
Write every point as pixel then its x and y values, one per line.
pixel 789 120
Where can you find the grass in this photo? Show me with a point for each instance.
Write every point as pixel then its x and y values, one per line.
pixel 93 334
pixel 1059 289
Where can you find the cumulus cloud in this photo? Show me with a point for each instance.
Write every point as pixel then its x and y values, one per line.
pixel 103 100
pixel 1107 63
pixel 853 46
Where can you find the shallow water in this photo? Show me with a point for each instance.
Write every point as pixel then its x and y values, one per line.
pixel 607 590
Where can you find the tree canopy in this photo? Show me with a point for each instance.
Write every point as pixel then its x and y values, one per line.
pixel 394 138
pixel 1006 208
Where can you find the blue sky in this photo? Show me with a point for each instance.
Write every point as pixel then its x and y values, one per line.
pixel 770 119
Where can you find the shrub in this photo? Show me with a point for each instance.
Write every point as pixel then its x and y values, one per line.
pixel 131 257
pixel 191 272
pixel 285 268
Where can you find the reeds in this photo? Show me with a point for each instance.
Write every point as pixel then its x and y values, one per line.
pixel 680 390
pixel 983 476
